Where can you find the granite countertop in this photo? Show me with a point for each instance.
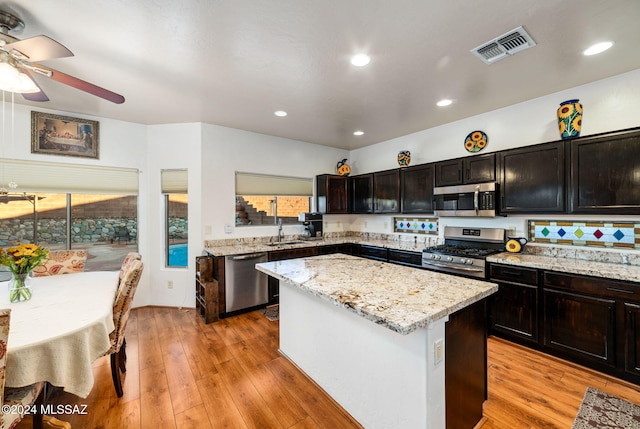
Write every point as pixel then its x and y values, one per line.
pixel 400 298
pixel 587 267
pixel 257 247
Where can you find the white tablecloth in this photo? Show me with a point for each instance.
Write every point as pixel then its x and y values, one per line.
pixel 61 330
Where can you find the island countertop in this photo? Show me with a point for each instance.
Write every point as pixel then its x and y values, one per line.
pixel 400 298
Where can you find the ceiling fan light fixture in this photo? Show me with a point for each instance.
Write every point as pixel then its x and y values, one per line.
pixel 13 80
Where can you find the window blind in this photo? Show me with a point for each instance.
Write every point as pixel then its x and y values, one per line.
pixel 262 184
pixel 49 177
pixel 174 181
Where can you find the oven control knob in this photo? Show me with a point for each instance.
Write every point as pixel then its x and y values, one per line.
pixel 436 257
pixel 450 258
pixel 468 261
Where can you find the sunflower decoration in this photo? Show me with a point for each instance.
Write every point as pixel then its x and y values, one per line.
pixel 570 118
pixel 476 141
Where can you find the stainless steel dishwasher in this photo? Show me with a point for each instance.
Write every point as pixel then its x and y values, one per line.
pixel 245 286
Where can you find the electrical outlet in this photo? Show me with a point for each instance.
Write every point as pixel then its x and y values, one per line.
pixel 438 351
pixel 170 284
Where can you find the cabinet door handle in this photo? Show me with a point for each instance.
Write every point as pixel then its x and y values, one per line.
pixel 613 289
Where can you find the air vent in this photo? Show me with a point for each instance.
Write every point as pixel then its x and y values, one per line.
pixel 503 46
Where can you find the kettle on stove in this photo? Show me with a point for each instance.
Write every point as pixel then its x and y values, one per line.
pixel 515 244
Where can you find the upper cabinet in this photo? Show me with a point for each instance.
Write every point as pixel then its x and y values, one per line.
pixel 386 191
pixel 605 174
pixel 533 179
pixel 362 193
pixel 471 169
pixel 416 189
pixel 332 194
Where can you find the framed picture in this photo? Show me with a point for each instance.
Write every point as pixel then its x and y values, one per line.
pixel 63 135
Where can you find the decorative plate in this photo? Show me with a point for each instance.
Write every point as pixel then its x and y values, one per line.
pixel 476 141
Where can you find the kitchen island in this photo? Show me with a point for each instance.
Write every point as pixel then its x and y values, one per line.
pixel 375 335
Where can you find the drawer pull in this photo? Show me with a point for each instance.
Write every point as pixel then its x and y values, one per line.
pixel 613 289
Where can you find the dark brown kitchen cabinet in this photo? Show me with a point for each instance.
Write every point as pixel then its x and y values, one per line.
pixel 632 338
pixel 206 289
pixel 605 175
pixel 386 191
pixel 416 189
pixel 373 252
pixel 405 257
pixel 362 193
pixel 533 179
pixel 594 321
pixel 514 308
pixel 332 193
pixel 471 169
pixel 580 326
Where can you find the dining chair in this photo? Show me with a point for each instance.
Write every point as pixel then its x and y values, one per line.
pixel 121 308
pixel 131 256
pixel 62 262
pixel 17 397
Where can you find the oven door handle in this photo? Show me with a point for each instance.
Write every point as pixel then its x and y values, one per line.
pixel 454 268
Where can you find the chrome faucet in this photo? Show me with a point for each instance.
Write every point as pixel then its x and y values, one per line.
pixel 280 233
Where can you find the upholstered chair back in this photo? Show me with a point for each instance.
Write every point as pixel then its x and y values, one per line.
pixel 131 256
pixel 62 262
pixel 122 304
pixel 5 316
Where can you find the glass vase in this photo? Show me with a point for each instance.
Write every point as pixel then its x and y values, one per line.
pixel 20 287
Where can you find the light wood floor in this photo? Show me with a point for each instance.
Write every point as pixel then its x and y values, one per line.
pixel 182 373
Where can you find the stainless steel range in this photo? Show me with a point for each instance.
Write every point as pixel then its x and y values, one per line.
pixel 464 250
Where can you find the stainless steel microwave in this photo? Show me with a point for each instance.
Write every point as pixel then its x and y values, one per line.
pixel 475 200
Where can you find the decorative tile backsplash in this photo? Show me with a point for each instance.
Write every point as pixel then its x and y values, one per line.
pixel 585 233
pixel 416 225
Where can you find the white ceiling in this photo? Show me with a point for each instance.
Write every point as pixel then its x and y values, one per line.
pixel 234 62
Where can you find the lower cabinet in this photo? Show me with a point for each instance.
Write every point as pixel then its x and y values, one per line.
pixel 632 338
pixel 209 287
pixel 580 326
pixel 591 321
pixel 514 308
pixel 405 257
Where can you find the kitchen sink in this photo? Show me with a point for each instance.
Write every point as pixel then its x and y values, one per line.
pixel 284 243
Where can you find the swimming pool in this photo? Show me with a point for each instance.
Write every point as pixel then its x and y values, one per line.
pixel 178 255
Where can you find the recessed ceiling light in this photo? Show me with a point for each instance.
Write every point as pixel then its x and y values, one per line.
pixel 280 113
pixel 358 133
pixel 597 48
pixel 360 60
pixel 444 102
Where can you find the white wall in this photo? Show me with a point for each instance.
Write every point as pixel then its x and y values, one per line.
pixel 171 146
pixel 227 150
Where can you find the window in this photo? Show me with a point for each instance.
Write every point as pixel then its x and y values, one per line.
pixel 72 206
pixel 176 202
pixel 95 222
pixel 264 199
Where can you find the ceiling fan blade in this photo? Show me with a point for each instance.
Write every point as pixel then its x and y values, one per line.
pixel 77 83
pixel 34 96
pixel 38 48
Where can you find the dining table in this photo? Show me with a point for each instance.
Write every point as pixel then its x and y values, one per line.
pixel 57 334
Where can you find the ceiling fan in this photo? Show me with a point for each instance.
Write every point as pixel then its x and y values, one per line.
pixel 21 56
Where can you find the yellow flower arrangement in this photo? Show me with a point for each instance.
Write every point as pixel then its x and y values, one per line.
pixel 21 260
